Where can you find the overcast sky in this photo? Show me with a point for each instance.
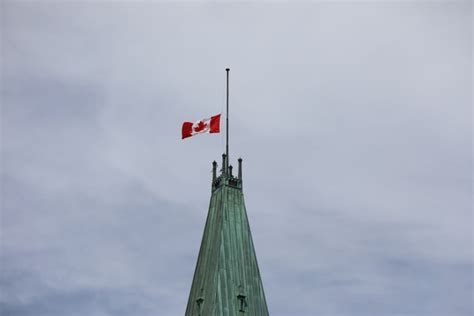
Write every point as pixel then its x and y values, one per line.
pixel 353 120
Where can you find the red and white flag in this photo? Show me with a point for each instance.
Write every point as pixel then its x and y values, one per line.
pixel 209 125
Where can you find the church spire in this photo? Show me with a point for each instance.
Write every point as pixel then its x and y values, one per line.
pixel 227 279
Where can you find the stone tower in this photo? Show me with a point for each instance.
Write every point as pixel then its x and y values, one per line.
pixel 227 280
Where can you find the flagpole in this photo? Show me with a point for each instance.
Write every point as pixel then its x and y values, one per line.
pixel 227 124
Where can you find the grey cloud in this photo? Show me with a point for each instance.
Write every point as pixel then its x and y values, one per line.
pixel 353 119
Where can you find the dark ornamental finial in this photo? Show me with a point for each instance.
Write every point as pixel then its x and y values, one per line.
pixel 214 171
pixel 224 163
pixel 240 168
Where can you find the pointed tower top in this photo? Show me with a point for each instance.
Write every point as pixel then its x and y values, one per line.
pixel 227 279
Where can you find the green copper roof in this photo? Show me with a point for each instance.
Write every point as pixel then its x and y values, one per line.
pixel 227 279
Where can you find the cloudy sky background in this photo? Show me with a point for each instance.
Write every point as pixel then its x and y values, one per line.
pixel 353 120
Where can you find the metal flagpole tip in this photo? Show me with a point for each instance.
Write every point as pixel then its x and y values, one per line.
pixel 227 69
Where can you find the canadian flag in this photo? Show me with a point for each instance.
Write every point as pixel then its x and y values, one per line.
pixel 209 125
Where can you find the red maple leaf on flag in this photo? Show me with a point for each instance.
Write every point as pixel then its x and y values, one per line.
pixel 201 126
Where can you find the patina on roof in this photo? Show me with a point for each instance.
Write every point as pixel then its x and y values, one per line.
pixel 227 279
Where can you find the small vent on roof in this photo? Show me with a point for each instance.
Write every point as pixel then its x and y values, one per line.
pixel 199 302
pixel 243 300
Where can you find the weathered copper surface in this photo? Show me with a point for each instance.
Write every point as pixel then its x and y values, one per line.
pixel 227 279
